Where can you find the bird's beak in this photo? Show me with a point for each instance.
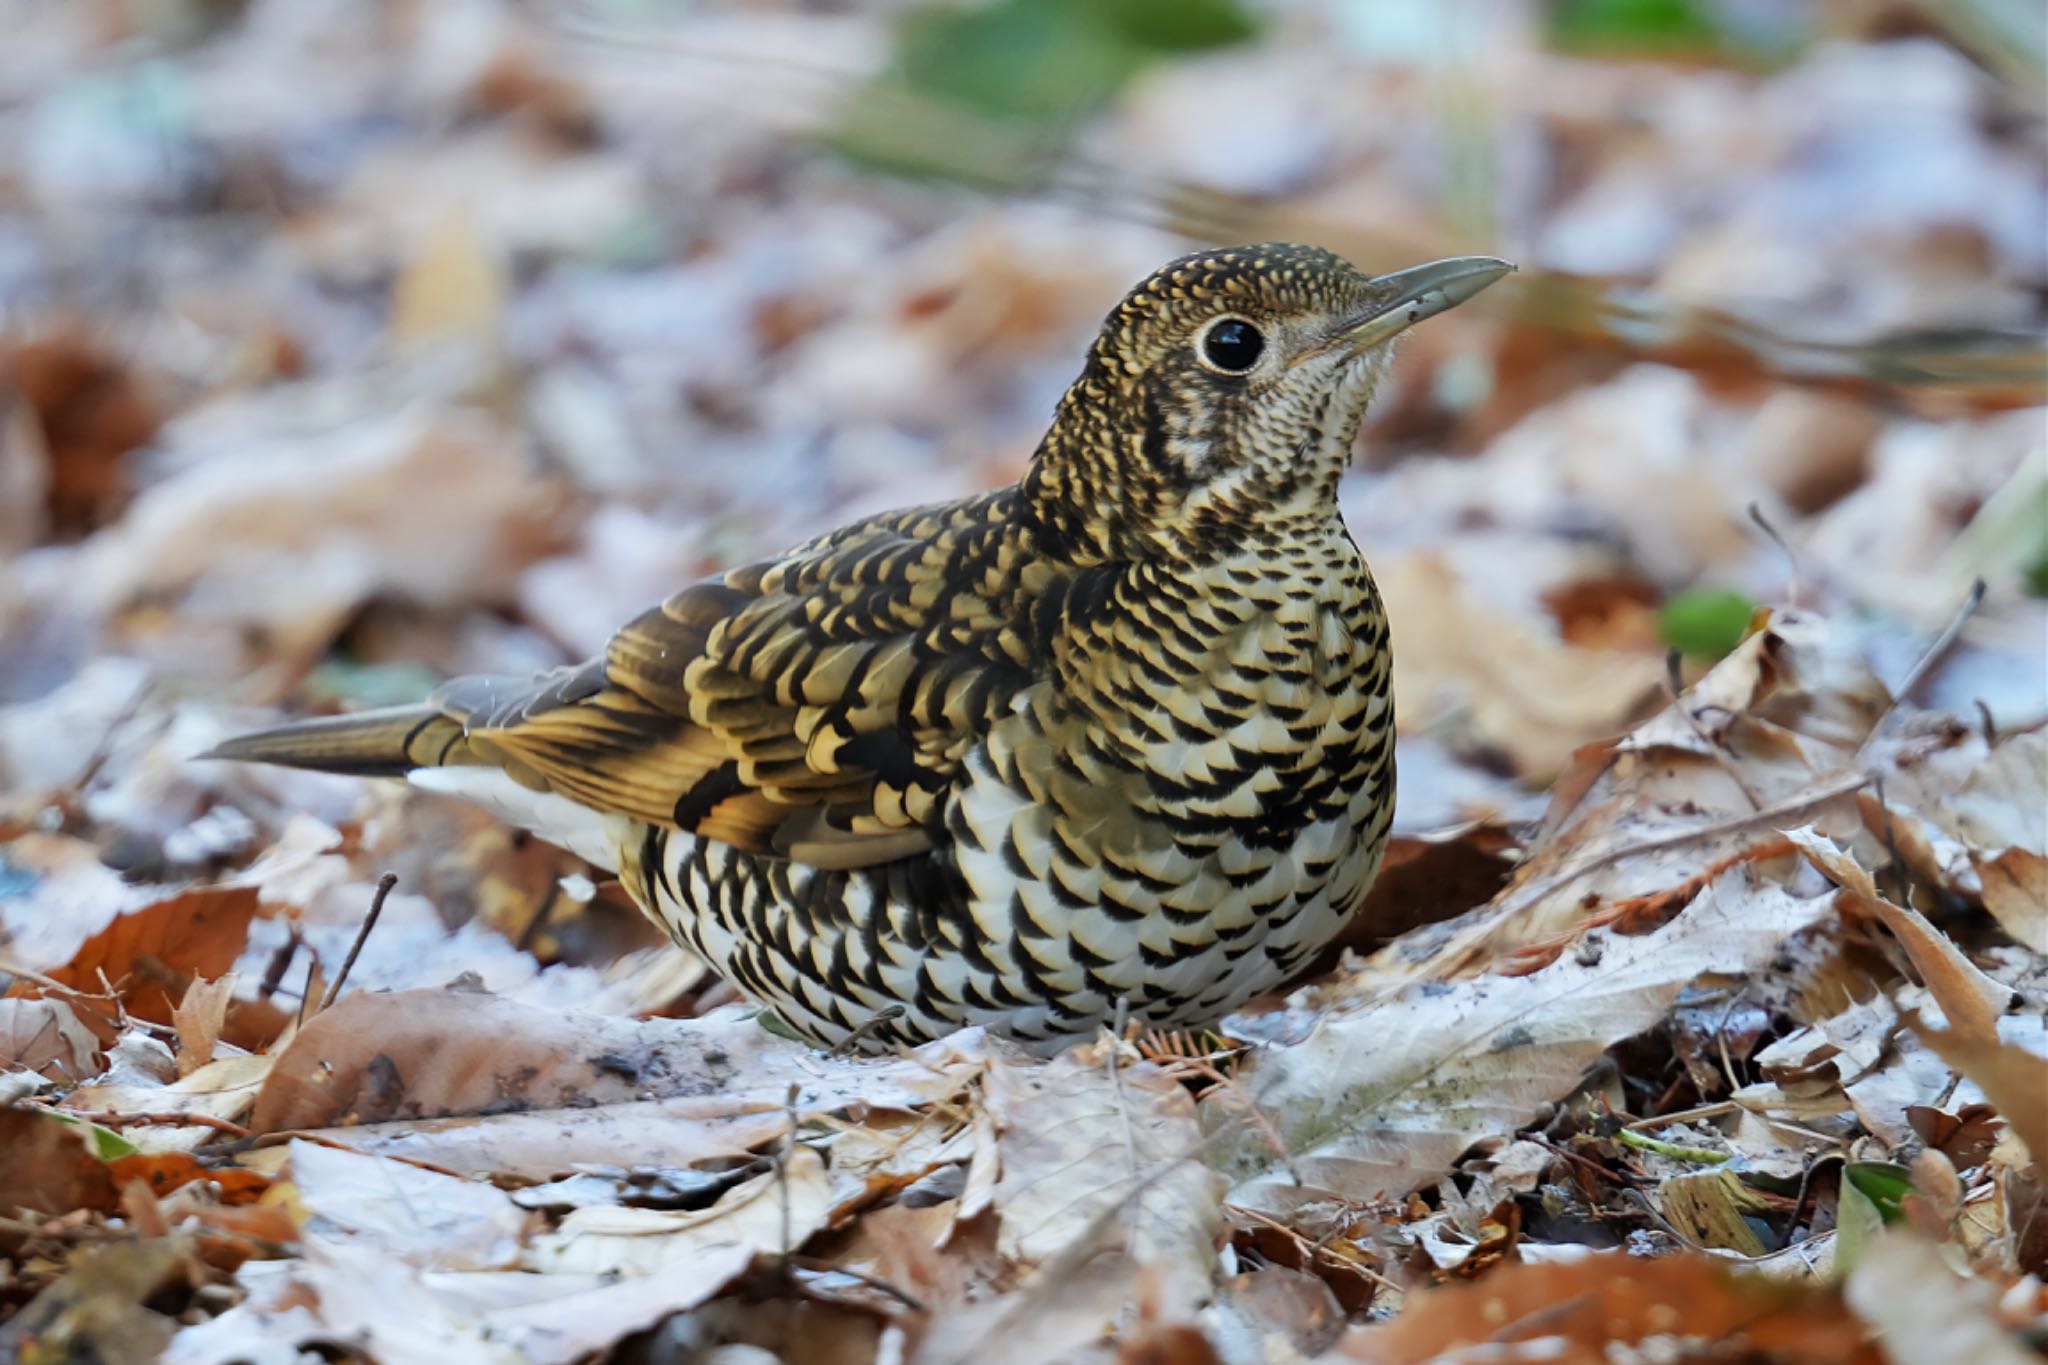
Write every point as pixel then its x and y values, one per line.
pixel 1420 292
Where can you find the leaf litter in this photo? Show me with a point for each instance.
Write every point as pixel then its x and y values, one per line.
pixel 1699 1009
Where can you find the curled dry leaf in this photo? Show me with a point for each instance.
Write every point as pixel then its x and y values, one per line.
pixel 1384 1093
pixel 199 1017
pixel 1964 812
pixel 773 1214
pixel 1764 740
pixel 46 1037
pixel 1971 1000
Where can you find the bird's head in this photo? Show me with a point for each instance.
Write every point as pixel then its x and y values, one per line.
pixel 1224 393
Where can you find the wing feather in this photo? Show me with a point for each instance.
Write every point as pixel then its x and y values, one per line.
pixel 817 707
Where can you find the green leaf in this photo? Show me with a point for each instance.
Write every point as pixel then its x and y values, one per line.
pixel 1886 1185
pixel 1180 26
pixel 1706 621
pixel 1047 58
pixel 1633 26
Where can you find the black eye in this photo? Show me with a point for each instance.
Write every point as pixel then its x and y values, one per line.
pixel 1233 345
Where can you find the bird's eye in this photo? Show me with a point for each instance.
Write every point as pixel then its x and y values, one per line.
pixel 1232 345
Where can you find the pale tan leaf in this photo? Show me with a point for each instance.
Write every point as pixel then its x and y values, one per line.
pixel 199 1016
pixel 1518 689
pixel 430 1220
pixel 1102 1155
pixel 2014 1079
pixel 1380 1097
pixel 1766 739
pixel 1906 1292
pixel 453 290
pixel 773 1214
pixel 1971 1000
pixel 2016 893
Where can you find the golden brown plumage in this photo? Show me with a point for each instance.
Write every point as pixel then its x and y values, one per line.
pixel 1120 734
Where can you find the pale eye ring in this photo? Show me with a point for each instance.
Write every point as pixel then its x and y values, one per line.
pixel 1231 346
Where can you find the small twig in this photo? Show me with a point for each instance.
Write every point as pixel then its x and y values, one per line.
pixel 280 963
pixel 817 1267
pixel 1839 786
pixel 1794 574
pixel 540 917
pixel 1925 665
pixel 845 1046
pixel 170 1118
pixel 377 899
pixel 1704 1111
pixel 782 1174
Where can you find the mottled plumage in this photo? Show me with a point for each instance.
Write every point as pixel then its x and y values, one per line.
pixel 1121 733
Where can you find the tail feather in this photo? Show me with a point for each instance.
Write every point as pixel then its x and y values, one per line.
pixel 384 743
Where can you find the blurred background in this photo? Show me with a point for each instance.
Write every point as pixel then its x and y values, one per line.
pixel 344 346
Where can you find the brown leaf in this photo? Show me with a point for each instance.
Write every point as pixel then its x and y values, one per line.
pixel 2012 1078
pixel 50 1165
pixel 1971 1000
pixel 1579 1310
pixel 90 410
pixel 150 956
pixel 199 1017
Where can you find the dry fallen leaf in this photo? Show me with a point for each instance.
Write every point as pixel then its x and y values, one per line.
pixel 1099 1155
pixel 46 1037
pixel 152 955
pixel 1587 1311
pixel 1383 1092
pixel 1534 698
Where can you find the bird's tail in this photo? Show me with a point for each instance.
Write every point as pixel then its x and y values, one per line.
pixel 385 743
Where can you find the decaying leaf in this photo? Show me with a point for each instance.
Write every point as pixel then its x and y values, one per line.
pixel 1383 1093
pixel 1102 1156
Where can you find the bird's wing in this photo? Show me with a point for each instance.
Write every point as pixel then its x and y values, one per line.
pixel 817 706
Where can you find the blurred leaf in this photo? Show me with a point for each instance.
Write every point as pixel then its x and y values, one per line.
pixel 1884 1183
pixel 1858 1223
pixel 1034 57
pixel 1706 621
pixel 982 94
pixel 1633 26
pixel 1166 26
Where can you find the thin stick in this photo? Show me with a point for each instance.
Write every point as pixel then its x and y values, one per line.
pixel 171 1118
pixel 1793 575
pixel 1918 674
pixel 384 885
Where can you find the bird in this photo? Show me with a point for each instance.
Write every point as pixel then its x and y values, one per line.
pixel 1111 744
